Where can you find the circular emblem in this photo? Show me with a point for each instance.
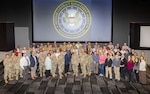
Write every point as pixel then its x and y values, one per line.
pixel 72 19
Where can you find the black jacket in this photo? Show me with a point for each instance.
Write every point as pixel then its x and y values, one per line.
pixel 108 62
pixel 123 62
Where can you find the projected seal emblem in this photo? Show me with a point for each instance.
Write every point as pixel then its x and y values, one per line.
pixel 72 19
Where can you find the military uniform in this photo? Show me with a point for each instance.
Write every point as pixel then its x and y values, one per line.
pixel 75 62
pixel 13 66
pixel 20 71
pixel 54 64
pixel 42 58
pixel 7 69
pixel 17 67
pixel 61 64
pixel 83 62
pixel 89 63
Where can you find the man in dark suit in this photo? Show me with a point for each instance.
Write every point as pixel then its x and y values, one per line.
pixel 33 65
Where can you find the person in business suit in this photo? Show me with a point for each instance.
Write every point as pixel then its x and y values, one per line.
pixel 33 65
pixel 67 62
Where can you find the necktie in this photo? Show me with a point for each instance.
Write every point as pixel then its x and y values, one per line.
pixel 27 60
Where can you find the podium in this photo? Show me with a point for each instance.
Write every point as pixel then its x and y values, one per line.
pixel 7 37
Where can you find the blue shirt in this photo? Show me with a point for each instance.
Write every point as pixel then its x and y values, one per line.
pixel 85 44
pixel 95 57
pixel 116 62
pixel 67 58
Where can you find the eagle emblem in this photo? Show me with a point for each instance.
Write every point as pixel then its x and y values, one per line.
pixel 72 19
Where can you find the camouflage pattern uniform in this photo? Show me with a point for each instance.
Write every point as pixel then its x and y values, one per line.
pixel 54 64
pixel 75 62
pixel 89 63
pixel 17 67
pixel 13 66
pixel 7 66
pixel 83 62
pixel 61 64
pixel 21 71
pixel 42 58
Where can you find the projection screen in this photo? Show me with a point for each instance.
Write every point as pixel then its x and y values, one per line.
pixel 72 20
pixel 144 36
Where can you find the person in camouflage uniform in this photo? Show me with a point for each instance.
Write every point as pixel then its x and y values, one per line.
pixel 7 66
pixel 17 66
pixel 13 57
pixel 83 62
pixel 75 62
pixel 89 63
pixel 20 69
pixel 54 64
pixel 64 46
pixel 61 64
pixel 42 58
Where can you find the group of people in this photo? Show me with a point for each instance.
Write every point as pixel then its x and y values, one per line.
pixel 61 59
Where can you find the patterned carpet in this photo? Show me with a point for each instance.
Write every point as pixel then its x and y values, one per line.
pixel 93 84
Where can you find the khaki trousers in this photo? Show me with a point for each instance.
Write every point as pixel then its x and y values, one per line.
pixel 108 71
pixel 33 72
pixel 117 72
pixel 96 67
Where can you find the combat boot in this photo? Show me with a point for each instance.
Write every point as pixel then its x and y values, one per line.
pixel 41 75
pixel 65 74
pixel 10 79
pixel 60 76
pixel 76 75
pixel 17 78
pixel 6 81
pixel 84 76
pixel 89 73
pixel 81 74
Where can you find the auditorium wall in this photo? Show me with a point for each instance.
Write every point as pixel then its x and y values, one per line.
pixel 124 12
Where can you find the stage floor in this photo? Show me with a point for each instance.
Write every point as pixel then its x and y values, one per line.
pixel 73 85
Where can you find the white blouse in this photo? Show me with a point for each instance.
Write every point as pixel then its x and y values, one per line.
pixel 142 66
